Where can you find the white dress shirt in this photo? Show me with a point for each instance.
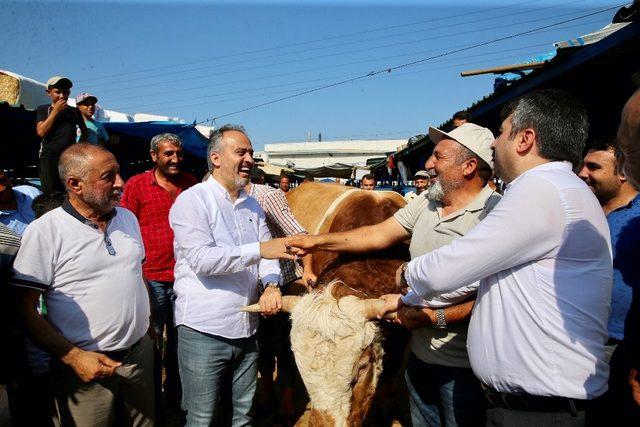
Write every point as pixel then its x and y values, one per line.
pixel 539 324
pixel 218 263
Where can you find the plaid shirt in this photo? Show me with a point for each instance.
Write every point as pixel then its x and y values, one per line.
pixel 281 223
pixel 150 203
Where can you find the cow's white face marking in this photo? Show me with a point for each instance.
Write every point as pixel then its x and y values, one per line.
pixel 327 337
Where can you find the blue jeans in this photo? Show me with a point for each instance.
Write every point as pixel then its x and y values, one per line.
pixel 443 395
pixel 162 298
pixel 204 360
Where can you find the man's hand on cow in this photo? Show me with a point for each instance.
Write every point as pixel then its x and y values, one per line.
pixel 276 249
pixel 89 365
pixel 270 301
pixel 415 317
pixel 302 244
pixel 634 382
pixel 309 279
pixel 392 303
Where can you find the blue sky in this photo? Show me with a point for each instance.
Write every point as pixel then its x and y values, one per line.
pixel 197 60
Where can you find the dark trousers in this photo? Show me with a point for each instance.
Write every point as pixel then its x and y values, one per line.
pixel 165 352
pixel 275 345
pixel 49 177
pixel 504 417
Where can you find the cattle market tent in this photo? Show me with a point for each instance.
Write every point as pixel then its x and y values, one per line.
pixel 337 170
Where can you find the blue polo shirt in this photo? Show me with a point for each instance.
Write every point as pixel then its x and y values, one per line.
pixel 624 224
pixel 17 220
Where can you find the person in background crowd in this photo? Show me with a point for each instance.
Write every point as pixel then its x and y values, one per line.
pixel 460 118
pixel 29 397
pixel 421 181
pixel 86 259
pixel 308 178
pixel 628 139
pixel 543 258
pixel 12 356
pixel 621 205
pixel 222 247
pixel 285 183
pixel 96 133
pixel 150 196
pixel 368 182
pixel 15 204
pixel 273 333
pixel 57 125
pixel 442 388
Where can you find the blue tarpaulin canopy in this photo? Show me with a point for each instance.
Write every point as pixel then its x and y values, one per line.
pixel 193 141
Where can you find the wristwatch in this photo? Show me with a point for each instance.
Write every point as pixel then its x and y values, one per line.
pixel 440 319
pixel 403 279
pixel 272 285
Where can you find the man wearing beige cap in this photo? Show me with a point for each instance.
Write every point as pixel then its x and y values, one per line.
pixel 57 124
pixel 441 385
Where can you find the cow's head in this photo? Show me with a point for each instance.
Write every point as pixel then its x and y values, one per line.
pixel 338 352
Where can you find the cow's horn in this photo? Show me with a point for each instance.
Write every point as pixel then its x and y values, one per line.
pixel 288 304
pixel 372 307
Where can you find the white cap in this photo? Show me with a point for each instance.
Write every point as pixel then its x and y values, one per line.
pixel 474 137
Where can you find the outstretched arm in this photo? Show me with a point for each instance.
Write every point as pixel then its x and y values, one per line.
pixel 359 240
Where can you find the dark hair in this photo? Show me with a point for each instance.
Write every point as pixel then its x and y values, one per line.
pixel 484 170
pixel 559 120
pixel 368 177
pixel 602 144
pixel 462 115
pixel 46 202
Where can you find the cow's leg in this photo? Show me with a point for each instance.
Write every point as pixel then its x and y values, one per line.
pixel 366 374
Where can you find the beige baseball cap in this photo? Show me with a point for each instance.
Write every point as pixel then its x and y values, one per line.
pixel 60 82
pixel 474 137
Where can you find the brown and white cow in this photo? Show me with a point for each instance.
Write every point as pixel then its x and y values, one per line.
pixel 340 353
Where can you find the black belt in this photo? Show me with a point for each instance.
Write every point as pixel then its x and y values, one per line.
pixel 528 402
pixel 120 355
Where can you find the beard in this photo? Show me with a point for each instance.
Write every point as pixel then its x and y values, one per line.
pixel 435 192
pixel 103 204
pixel 240 182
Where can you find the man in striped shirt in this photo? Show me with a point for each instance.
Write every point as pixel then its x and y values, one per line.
pixel 273 333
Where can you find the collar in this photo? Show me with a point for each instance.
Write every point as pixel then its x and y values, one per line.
pixel 553 165
pixel 68 208
pixel 220 190
pixel 629 205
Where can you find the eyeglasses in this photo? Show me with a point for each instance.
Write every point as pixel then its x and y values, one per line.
pixel 110 248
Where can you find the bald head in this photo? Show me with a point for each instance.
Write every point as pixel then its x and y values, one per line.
pixel 75 160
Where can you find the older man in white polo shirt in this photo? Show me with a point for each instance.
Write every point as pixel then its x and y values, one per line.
pixel 85 257
pixel 543 255
pixel 221 240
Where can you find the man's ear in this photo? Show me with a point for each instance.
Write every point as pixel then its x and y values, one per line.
pixel 470 167
pixel 215 159
pixel 73 184
pixel 525 141
pixel 154 156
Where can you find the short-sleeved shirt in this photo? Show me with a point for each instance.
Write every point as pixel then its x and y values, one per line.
pixel 96 133
pixel 91 280
pixel 150 203
pixel 18 219
pixel 624 225
pixel 63 133
pixel 429 230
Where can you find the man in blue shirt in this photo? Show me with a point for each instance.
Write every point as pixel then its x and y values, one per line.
pixel 15 204
pixel 621 205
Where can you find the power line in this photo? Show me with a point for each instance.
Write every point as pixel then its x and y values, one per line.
pixel 331 55
pixel 253 67
pixel 413 63
pixel 357 33
pixel 235 92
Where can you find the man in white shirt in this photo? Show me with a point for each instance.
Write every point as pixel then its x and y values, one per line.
pixel 221 242
pixel 543 255
pixel 86 259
